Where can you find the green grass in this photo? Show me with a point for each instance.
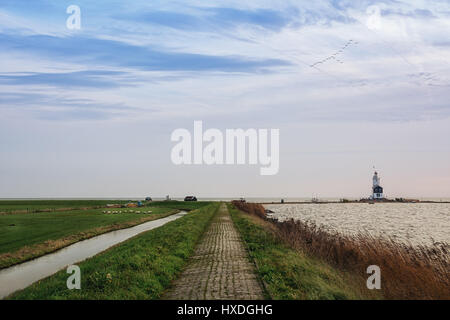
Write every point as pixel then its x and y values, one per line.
pixel 10 206
pixel 26 236
pixel 37 205
pixel 180 205
pixel 18 230
pixel 140 268
pixel 288 273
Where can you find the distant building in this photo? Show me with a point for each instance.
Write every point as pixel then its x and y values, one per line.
pixel 377 189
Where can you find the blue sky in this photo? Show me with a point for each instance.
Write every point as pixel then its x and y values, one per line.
pixel 102 101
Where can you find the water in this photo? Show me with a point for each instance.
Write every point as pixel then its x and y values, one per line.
pixel 21 276
pixel 415 223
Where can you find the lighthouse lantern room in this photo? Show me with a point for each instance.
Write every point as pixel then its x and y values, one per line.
pixel 377 189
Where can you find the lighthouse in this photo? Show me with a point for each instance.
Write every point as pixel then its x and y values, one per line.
pixel 377 189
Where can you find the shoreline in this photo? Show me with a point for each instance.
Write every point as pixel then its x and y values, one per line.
pixel 420 224
pixel 404 266
pixel 354 201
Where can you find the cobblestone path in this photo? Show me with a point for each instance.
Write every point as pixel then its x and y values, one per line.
pixel 220 267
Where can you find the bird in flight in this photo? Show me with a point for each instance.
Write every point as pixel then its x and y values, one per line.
pixel 335 55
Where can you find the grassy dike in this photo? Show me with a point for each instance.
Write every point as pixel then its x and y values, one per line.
pixel 140 268
pixel 289 274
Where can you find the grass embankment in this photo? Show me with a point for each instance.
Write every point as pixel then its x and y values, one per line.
pixel 27 236
pixel 140 268
pixel 407 272
pixel 289 274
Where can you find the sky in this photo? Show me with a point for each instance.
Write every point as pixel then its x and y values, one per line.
pixel 351 85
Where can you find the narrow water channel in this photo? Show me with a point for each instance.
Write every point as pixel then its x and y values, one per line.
pixel 22 275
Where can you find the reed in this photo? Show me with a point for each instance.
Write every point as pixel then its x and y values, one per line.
pixel 407 271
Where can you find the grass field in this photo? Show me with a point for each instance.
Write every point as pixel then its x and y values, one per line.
pixel 9 206
pixel 27 236
pixel 180 205
pixel 140 268
pixel 23 206
pixel 290 274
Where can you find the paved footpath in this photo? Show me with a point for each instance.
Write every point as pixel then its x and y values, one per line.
pixel 220 267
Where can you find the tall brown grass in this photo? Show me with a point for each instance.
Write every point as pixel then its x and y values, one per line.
pixel 407 272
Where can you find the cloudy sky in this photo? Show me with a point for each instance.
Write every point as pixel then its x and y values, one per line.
pixel 350 85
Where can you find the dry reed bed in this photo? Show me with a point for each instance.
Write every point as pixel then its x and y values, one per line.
pixel 407 272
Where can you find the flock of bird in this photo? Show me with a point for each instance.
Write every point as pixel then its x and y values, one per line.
pixel 335 55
